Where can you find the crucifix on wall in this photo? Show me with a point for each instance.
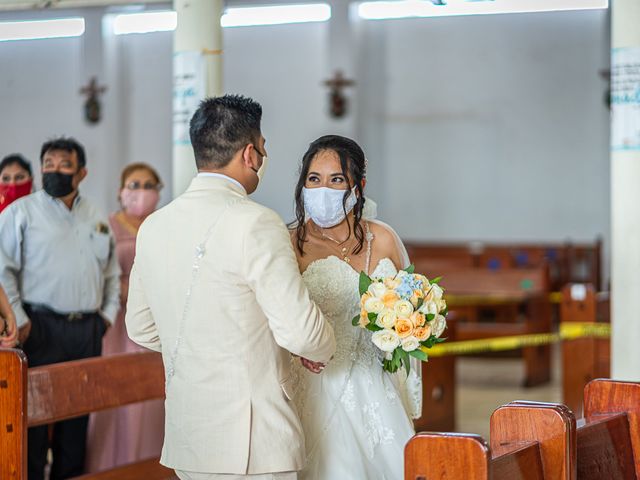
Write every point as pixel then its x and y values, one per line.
pixel 338 102
pixel 92 107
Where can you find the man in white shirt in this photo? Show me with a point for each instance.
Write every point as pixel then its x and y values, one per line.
pixel 216 288
pixel 60 273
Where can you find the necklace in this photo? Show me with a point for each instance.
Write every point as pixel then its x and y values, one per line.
pixel 344 250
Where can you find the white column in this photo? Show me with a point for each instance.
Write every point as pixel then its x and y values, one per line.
pixel 199 32
pixel 341 53
pixel 625 212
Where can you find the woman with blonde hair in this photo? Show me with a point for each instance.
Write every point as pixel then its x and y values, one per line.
pixel 134 432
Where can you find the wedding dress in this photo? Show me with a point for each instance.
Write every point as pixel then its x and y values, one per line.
pixel 356 417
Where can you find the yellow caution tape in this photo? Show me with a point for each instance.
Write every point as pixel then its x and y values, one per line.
pixel 573 330
pixel 568 331
pixel 555 297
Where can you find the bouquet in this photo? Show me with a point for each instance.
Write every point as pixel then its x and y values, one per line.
pixel 406 313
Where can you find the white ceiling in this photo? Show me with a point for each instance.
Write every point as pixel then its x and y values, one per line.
pixel 16 5
pixel 43 4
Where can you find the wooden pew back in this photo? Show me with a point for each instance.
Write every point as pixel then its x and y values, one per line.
pixel 552 425
pixel 446 456
pixel 528 442
pixel 583 359
pixel 540 441
pixel 48 394
pixel 605 398
pixel 72 389
pixel 13 412
pixel 514 284
pixel 568 262
pixel 519 300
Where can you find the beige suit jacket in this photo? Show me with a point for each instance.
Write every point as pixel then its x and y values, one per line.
pixel 228 407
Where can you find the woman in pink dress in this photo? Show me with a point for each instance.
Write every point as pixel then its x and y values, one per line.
pixel 135 432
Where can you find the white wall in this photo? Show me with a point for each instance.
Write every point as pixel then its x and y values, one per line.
pixel 497 126
pixel 487 127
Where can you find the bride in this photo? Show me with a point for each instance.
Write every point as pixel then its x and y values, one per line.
pixel 356 417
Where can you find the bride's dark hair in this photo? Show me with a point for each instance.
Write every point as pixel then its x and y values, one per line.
pixel 353 165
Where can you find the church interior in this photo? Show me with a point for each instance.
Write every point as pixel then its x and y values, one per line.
pixel 502 144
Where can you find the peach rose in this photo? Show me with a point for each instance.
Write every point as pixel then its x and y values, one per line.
pixel 364 318
pixel 422 333
pixel 418 319
pixel 390 298
pixel 417 295
pixel 404 327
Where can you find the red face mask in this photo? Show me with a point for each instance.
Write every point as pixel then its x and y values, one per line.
pixel 12 191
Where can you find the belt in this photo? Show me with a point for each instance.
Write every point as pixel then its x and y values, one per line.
pixel 70 317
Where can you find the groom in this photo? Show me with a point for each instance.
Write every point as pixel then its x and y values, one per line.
pixel 215 287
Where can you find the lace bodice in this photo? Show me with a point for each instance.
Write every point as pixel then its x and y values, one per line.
pixel 333 286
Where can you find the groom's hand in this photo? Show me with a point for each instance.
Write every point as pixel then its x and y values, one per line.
pixel 313 367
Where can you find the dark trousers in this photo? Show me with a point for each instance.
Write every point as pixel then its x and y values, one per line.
pixel 55 339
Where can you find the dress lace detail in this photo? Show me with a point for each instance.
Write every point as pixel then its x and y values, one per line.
pixel 352 408
pixel 377 432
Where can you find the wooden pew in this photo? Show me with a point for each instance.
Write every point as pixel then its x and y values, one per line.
pixel 528 442
pixel 524 292
pixel 539 441
pixel 583 359
pixel 609 434
pixel 43 395
pixel 439 388
pixel 568 262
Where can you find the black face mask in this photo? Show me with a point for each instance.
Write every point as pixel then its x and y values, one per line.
pixel 57 184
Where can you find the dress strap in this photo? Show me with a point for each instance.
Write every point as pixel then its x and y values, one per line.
pixel 368 238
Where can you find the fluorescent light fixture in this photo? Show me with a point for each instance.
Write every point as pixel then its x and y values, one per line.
pixel 165 21
pixel 425 8
pixel 41 29
pixel 147 22
pixel 276 15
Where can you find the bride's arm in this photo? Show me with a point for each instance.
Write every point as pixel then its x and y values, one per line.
pixel 387 244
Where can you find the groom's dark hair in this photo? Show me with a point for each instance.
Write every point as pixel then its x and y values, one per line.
pixel 221 126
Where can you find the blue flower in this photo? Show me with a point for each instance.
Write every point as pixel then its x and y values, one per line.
pixel 407 286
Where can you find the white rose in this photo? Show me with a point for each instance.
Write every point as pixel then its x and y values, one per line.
pixel 436 292
pixel 401 274
pixel 385 340
pixel 377 289
pixel 403 308
pixel 429 307
pixel 409 344
pixel 438 325
pixel 442 305
pixel 386 319
pixel 373 305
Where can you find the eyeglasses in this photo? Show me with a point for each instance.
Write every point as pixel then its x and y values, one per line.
pixel 135 185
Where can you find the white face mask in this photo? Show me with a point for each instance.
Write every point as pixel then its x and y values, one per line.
pixel 324 205
pixel 261 170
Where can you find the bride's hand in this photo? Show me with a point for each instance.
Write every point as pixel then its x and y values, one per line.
pixel 313 367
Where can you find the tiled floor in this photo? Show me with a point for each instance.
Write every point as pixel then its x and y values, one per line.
pixel 486 383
